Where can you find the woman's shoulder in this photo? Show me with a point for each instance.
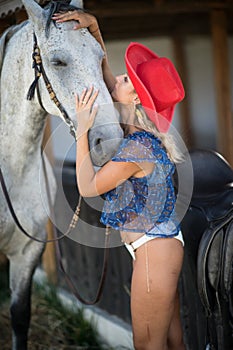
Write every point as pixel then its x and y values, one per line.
pixel 139 146
pixel 148 140
pixel 151 146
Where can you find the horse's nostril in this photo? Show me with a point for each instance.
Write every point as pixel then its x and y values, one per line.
pixel 98 145
pixel 98 141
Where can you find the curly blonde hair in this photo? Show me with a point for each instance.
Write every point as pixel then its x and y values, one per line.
pixel 167 139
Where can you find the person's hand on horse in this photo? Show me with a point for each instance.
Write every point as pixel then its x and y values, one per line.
pixel 85 20
pixel 86 111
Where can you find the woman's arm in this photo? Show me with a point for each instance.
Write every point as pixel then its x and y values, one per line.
pixel 89 182
pixel 111 175
pixel 86 20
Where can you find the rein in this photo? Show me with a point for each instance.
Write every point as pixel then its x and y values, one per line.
pixel 39 71
pixel 72 224
pixel 56 240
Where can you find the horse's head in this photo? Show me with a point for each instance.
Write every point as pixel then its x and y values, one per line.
pixel 72 61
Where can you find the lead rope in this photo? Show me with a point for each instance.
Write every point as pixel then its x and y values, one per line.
pixel 72 225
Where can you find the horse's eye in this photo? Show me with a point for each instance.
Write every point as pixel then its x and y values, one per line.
pixel 58 63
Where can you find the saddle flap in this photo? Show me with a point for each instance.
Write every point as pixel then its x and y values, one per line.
pixel 227 261
pixel 202 280
pixel 214 259
pixel 210 262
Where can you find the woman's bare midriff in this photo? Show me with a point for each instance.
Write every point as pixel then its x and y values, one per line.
pixel 129 237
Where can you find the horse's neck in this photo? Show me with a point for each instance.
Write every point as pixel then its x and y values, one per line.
pixel 22 121
pixel 22 140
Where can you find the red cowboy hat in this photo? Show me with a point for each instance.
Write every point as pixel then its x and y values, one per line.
pixel 156 82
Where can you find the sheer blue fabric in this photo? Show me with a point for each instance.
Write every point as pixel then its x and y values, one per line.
pixel 143 204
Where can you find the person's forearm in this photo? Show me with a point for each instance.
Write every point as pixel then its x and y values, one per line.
pixel 95 31
pixel 109 78
pixel 85 172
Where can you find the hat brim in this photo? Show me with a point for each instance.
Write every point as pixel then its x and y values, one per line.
pixel 135 55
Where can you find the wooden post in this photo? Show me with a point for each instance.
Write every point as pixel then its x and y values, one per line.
pixel 49 256
pixel 222 82
pixel 180 63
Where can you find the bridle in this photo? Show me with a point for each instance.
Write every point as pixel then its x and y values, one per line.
pixel 38 67
pixel 39 71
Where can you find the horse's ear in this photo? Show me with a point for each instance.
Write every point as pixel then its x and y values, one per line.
pixel 34 10
pixel 77 3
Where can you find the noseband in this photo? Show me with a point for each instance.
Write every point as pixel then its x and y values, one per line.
pixel 37 65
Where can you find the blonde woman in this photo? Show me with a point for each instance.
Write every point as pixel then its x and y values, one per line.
pixel 137 184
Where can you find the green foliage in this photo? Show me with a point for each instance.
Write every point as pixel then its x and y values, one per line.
pixel 53 325
pixel 66 323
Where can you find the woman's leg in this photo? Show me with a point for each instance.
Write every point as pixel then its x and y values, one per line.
pixel 153 292
pixel 175 334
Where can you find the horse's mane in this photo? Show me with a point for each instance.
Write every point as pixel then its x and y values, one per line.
pixel 58 6
pixel 6 36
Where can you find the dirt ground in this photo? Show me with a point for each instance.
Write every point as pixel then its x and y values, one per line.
pixel 49 330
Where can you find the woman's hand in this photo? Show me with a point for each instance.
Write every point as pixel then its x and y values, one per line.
pixel 85 111
pixel 85 20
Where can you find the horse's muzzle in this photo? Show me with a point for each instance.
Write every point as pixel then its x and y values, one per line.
pixel 104 141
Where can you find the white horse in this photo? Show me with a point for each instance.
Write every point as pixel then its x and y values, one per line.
pixel 72 61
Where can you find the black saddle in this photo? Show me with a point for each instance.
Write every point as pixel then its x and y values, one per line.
pixel 208 234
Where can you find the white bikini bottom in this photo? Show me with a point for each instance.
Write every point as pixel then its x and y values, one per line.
pixel 132 247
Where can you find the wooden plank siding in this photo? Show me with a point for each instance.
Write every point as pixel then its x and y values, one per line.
pixel 223 84
pixel 185 115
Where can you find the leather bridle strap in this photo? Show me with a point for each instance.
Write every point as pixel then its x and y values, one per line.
pixel 39 71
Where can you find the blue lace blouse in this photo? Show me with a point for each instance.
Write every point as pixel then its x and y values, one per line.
pixel 143 204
